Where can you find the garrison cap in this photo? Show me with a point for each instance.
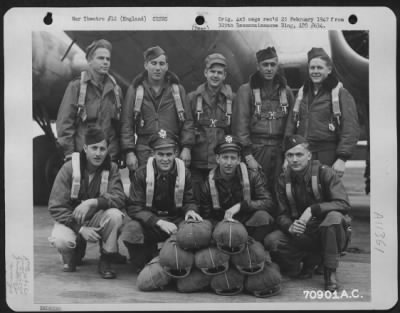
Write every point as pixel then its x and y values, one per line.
pixel 215 58
pixel 196 281
pixel 228 143
pixel 163 139
pixel 193 234
pixel 293 141
pixel 152 276
pixel 252 259
pixel 94 135
pixel 265 54
pixel 229 283
pixel 152 53
pixel 211 261
pixel 101 43
pixel 317 52
pixel 264 284
pixel 230 236
pixel 175 261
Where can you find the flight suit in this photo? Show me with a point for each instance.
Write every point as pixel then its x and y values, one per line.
pixel 262 135
pixel 209 127
pixel 328 141
pixel 101 109
pixel 255 214
pixel 158 111
pixel 141 235
pixel 326 232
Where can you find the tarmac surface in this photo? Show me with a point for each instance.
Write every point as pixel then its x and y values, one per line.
pixel 52 286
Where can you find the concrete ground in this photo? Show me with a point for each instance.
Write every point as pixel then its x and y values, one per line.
pixel 52 286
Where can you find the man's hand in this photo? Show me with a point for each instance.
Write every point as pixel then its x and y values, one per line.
pixel 339 167
pixel 168 227
pixel 186 156
pixel 232 211
pixel 193 215
pixel 251 162
pixel 90 233
pixel 131 161
pixel 297 228
pixel 81 210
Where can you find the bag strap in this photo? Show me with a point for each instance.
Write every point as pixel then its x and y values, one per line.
pixel 76 175
pixel 213 190
pixel 245 182
pixel 178 102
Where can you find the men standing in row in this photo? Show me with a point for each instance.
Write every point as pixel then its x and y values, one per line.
pixel 260 114
pixel 233 192
pixel 211 106
pixel 325 114
pixel 155 100
pixel 160 197
pixel 311 219
pixel 85 203
pixel 93 99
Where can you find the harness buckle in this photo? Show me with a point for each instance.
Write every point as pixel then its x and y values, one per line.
pixel 213 122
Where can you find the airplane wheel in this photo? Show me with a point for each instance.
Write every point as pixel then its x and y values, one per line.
pixel 43 148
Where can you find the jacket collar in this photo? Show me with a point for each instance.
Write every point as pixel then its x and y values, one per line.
pixel 108 84
pixel 170 78
pixel 203 89
pixel 218 175
pixel 256 80
pixel 306 173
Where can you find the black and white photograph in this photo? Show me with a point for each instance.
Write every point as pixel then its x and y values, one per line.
pixel 229 159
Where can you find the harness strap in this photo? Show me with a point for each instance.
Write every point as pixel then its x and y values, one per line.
pixel 283 100
pixel 149 182
pixel 257 102
pixel 104 182
pixel 315 181
pixel 117 96
pixel 335 102
pixel 245 182
pixel 179 184
pixel 199 106
pixel 81 99
pixel 228 103
pixel 178 102
pixel 296 107
pixel 138 101
pixel 289 194
pixel 76 175
pixel 213 190
pixel 245 186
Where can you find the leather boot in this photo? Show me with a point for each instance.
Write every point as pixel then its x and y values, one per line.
pixel 139 255
pixel 80 249
pixel 331 283
pixel 69 260
pixel 310 262
pixel 104 267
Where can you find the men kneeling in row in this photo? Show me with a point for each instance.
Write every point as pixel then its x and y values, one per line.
pixel 307 223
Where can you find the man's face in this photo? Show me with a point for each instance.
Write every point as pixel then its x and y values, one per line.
pixel 215 75
pixel 318 70
pixel 268 68
pixel 298 158
pixel 157 68
pixel 100 61
pixel 228 162
pixel 164 158
pixel 96 153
